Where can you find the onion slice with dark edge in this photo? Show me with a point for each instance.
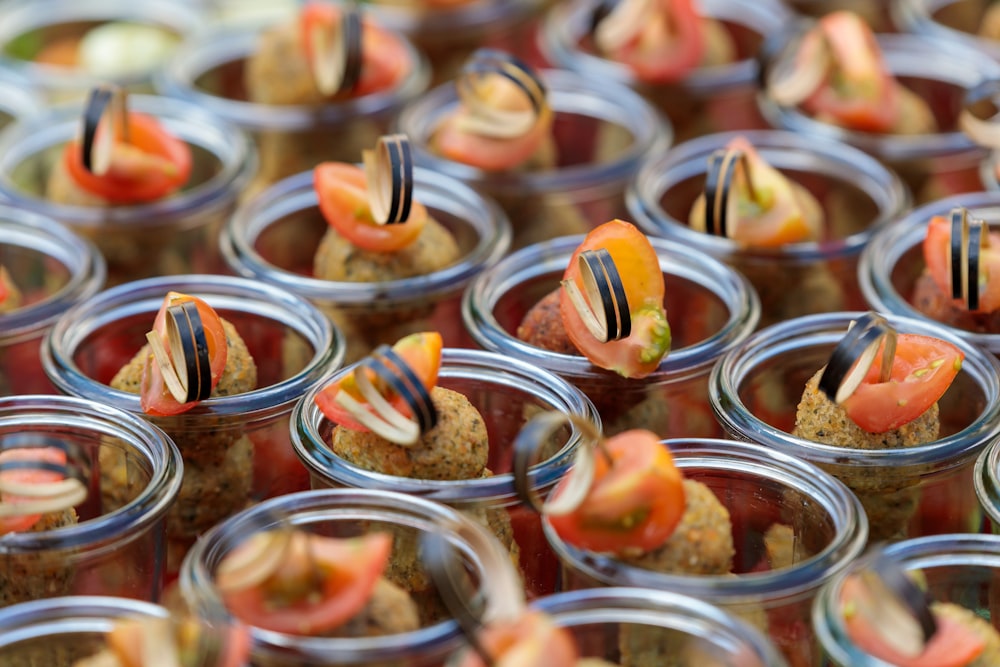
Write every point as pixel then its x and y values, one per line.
pixel 335 51
pixel 38 497
pixel 800 69
pixel 979 115
pixel 186 370
pixel 106 103
pixel 622 23
pixel 854 354
pixel 968 239
pixel 720 207
pixel 604 308
pixel 485 119
pixel 262 556
pixel 532 437
pixel 389 176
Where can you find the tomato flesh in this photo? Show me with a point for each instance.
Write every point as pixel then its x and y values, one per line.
pixel 531 641
pixel 635 501
pixel 670 45
pixel 155 398
pixel 52 455
pixel 151 166
pixel 922 370
pixel 937 250
pixel 640 353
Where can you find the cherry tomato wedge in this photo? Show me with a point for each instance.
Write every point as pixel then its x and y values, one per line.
pixel 151 166
pixel 937 250
pixel 155 398
pixel 531 641
pixel 640 353
pixel 923 369
pixel 420 351
pixel 348 568
pixel 5 285
pixel 635 501
pixel 343 200
pixel 670 45
pixel 52 455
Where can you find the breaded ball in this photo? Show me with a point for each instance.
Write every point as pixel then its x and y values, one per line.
pixel 32 576
pixel 931 301
pixel 457 448
pixel 390 610
pixel 542 326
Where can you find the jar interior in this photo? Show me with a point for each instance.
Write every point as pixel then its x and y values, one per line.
pixel 964 15
pixel 29 45
pixel 53 650
pixel 36 274
pixel 226 79
pixel 583 140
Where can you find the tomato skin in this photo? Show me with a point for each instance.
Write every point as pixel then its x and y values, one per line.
pixel 490 153
pixel 155 399
pixel 923 369
pixel 531 641
pixel 670 45
pixel 640 486
pixel 350 569
pixel 343 200
pixel 151 166
pixel 937 249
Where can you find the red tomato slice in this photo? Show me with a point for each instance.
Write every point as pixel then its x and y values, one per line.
pixel 635 502
pixel 52 455
pixel 531 641
pixel 640 353
pixel 670 45
pixel 349 569
pixel 5 290
pixel 155 398
pixel 922 371
pixel 151 166
pixel 421 352
pixel 343 200
pixel 953 645
pixel 937 249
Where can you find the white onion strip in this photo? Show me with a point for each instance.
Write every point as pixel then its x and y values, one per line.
pixel 336 52
pixel 105 104
pixel 622 24
pixel 389 176
pixel 255 560
pixel 474 83
pixel 39 497
pixel 602 305
pixel 854 354
pixel 790 83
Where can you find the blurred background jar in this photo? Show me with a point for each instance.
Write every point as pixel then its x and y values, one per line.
pixel 45 269
pixel 17 99
pixel 907 491
pixel 975 23
pixel 110 543
pixel 987 476
pixel 236 447
pixel 175 234
pixel 856 194
pixel 65 47
pixel 876 13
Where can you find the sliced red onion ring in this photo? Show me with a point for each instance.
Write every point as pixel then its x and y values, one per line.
pixel 485 119
pixel 622 24
pixel 604 308
pixel 389 173
pixel 531 438
pixel 337 52
pixel 980 114
pixel 800 69
pixel 854 354
pixel 103 102
pixel 186 371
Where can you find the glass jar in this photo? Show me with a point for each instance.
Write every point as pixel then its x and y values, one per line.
pixel 939 71
pixel 907 492
pixel 857 194
pixel 506 392
pixel 960 569
pixel 345 513
pixel 28 26
pixel 209 72
pixel 710 307
pixel 957 20
pixel 53 269
pixel 710 98
pixel 987 476
pixel 17 99
pixel 636 626
pixel 876 13
pixel 175 235
pixel 760 487
pixel 133 476
pixel 893 261
pixel 601 131
pixel 274 239
pixel 236 448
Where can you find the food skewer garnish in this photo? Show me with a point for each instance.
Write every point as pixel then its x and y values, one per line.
pixel 604 308
pixel 487 118
pixel 389 176
pixel 622 494
pixel 962 260
pixel 332 40
pixel 36 478
pixel 388 392
pixel 720 207
pixel 105 122
pixel 969 240
pixel 854 355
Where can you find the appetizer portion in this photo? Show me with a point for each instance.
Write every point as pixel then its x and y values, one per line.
pixel 10 296
pixel 839 76
pixel 879 391
pixel 110 50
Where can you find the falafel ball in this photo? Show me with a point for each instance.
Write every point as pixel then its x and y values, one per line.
pixel 32 576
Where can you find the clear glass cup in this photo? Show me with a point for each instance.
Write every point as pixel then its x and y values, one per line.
pixel 939 71
pixel 894 260
pixel 506 392
pixel 176 235
pixel 956 20
pixel 345 513
pixel 987 479
pixel 53 269
pixel 236 448
pixel 760 487
pixel 876 13
pixel 907 492
pixel 961 569
pixel 602 132
pixel 711 309
pixel 273 238
pixel 27 26
pixel 709 99
pixel 630 627
pixel 209 72
pixel 17 99
pixel 133 476
pixel 857 193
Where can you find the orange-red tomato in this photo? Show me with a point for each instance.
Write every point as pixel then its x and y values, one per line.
pixel 922 371
pixel 531 641
pixel 937 249
pixel 670 45
pixel 155 398
pixel 635 502
pixel 52 455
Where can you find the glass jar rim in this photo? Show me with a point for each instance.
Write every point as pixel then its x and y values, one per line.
pixel 37 619
pixel 916 16
pixel 460 19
